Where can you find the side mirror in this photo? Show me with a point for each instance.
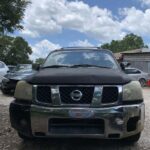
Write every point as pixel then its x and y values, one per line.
pixel 36 67
pixel 123 65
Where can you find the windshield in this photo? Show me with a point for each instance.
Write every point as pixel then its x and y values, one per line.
pixel 70 58
pixel 23 67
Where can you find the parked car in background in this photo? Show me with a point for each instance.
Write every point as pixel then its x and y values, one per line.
pixel 3 70
pixel 10 80
pixel 11 68
pixel 138 75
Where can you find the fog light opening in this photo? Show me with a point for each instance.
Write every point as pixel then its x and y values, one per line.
pixel 23 123
pixel 115 136
pixel 119 121
pixel 132 124
pixel 39 134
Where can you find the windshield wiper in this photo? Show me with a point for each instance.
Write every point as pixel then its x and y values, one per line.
pixel 75 66
pixel 88 65
pixel 55 66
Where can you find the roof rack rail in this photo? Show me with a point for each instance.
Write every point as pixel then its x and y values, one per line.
pixel 90 47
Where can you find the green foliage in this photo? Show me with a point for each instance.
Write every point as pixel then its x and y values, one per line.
pixel 14 50
pixel 39 61
pixel 11 14
pixel 129 42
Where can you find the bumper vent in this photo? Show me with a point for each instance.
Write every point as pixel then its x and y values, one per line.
pixel 132 124
pixel 44 94
pixel 86 98
pixel 110 95
pixel 76 126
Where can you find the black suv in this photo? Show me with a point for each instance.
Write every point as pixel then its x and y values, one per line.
pixel 79 92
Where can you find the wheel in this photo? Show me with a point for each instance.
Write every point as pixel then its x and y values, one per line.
pixel 5 92
pixel 25 137
pixel 132 139
pixel 142 82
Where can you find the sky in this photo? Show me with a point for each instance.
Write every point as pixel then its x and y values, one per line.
pixel 51 24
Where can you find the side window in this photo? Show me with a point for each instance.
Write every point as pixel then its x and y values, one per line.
pixel 132 71
pixel 137 72
pixel 126 71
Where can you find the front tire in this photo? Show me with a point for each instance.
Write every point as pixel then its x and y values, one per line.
pixel 5 92
pixel 25 137
pixel 142 82
pixel 132 139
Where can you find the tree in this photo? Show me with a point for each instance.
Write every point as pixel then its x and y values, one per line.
pixel 14 50
pixel 39 61
pixel 129 42
pixel 11 14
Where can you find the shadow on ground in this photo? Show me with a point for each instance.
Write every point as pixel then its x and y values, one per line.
pixel 75 144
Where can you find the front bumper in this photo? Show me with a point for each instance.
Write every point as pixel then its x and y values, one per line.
pixel 113 122
pixel 9 85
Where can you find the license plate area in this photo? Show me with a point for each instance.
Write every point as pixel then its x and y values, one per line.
pixel 81 113
pixel 76 126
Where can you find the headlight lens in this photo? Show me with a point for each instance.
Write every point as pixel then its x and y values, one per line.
pixel 132 91
pixel 23 91
pixel 5 80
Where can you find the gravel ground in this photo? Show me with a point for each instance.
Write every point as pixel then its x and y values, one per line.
pixel 10 141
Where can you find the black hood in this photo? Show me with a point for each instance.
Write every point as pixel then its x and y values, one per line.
pixel 82 76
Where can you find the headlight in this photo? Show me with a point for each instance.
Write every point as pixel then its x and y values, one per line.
pixel 5 80
pixel 132 91
pixel 23 91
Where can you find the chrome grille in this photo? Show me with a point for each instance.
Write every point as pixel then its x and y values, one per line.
pixel 44 94
pixel 86 98
pixel 92 95
pixel 110 95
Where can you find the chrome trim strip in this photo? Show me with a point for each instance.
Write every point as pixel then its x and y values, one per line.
pixel 34 92
pixel 55 96
pixel 97 96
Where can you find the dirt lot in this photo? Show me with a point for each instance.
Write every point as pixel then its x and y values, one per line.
pixel 10 141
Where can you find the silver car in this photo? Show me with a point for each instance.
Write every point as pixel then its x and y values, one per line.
pixel 3 70
pixel 138 75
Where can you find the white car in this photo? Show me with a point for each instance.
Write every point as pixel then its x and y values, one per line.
pixel 138 75
pixel 3 70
